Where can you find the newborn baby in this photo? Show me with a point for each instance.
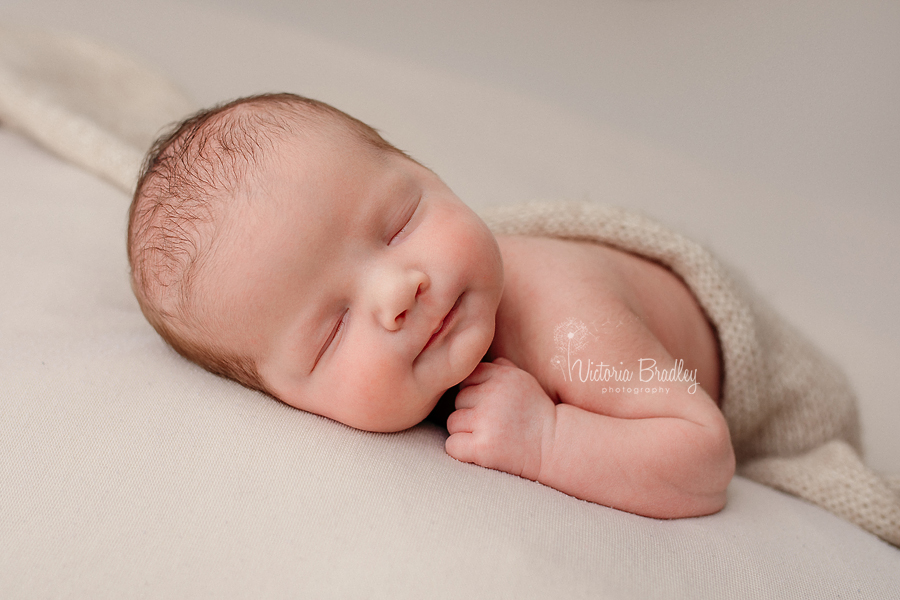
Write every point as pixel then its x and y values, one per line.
pixel 282 243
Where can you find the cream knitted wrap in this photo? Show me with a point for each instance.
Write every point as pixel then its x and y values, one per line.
pixel 790 410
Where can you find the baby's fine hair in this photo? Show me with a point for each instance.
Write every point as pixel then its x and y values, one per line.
pixel 190 176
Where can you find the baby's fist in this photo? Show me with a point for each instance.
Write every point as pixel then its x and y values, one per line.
pixel 503 420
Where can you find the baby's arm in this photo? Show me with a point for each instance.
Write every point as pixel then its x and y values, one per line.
pixel 675 463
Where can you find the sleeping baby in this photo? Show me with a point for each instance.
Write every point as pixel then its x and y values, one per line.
pixel 279 242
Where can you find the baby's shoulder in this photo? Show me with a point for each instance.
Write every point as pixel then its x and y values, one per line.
pixel 546 275
pixel 551 282
pixel 563 297
pixel 546 270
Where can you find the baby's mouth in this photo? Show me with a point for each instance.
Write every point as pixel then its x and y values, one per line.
pixel 444 325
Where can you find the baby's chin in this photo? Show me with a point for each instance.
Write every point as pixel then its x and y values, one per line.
pixel 425 408
pixel 443 408
pixel 390 425
pixel 444 403
pixel 437 406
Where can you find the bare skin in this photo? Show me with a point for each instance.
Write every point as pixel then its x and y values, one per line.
pixel 657 454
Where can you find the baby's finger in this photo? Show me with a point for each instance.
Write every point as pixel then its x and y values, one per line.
pixel 465 400
pixel 460 421
pixel 504 362
pixel 481 374
pixel 459 446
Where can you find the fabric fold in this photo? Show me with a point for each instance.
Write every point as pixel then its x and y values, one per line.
pixel 85 102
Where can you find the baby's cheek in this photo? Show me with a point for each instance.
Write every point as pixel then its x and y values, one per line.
pixel 383 397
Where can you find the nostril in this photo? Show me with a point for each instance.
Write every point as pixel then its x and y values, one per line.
pixel 419 290
pixel 399 318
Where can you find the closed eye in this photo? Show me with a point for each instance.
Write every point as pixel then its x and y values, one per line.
pixel 407 226
pixel 331 337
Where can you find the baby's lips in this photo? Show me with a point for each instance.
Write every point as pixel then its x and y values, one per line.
pixel 447 321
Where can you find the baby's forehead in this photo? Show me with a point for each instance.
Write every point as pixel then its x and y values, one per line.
pixel 325 171
pixel 311 185
pixel 240 141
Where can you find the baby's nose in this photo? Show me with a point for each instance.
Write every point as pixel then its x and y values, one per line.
pixel 397 293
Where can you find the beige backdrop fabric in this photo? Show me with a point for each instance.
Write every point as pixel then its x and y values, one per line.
pixel 126 472
pixel 782 397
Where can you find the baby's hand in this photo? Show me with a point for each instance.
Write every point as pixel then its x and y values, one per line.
pixel 503 420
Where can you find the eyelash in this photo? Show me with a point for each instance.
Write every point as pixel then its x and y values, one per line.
pixel 405 225
pixel 337 330
pixel 402 229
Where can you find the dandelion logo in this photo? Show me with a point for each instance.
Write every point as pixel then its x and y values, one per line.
pixel 569 336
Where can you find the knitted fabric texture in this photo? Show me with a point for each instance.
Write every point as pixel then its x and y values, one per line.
pixel 84 102
pixel 790 410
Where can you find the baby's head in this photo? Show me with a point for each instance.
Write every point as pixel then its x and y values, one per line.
pixel 282 243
